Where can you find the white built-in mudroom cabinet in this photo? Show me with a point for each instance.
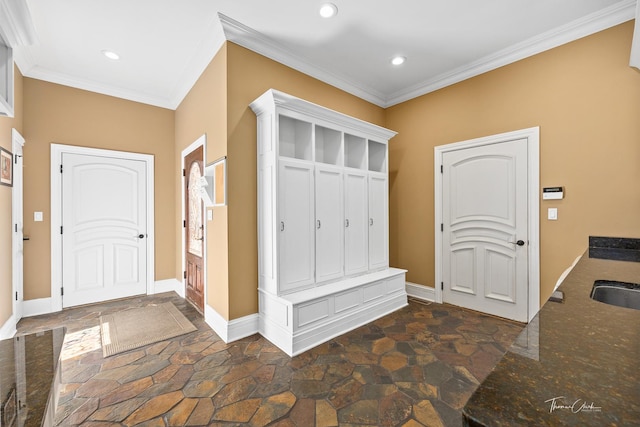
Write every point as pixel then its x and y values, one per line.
pixel 323 223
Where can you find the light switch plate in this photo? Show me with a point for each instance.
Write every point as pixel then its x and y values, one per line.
pixel 552 214
pixel 37 216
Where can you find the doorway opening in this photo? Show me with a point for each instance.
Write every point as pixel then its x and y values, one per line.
pixel 102 223
pixel 194 231
pixel 477 228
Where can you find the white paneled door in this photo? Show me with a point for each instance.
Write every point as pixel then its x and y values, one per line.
pixel 104 229
pixel 485 223
pixel 356 247
pixel 329 223
pixel 378 217
pixel 296 225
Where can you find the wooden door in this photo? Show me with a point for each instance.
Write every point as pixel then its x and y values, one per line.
pixel 485 217
pixel 104 228
pixel 194 229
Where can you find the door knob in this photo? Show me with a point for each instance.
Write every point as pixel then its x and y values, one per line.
pixel 140 236
pixel 519 243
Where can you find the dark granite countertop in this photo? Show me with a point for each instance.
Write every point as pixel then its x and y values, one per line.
pixel 577 363
pixel 29 373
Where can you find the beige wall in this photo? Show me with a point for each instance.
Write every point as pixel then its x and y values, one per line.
pixel 249 76
pixel 6 124
pixel 63 115
pixel 203 111
pixel 586 100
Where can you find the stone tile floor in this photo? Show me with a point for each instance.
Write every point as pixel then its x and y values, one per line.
pixel 415 367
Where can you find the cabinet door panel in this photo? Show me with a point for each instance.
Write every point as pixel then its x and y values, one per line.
pixel 378 219
pixel 329 224
pixel 296 207
pixel 357 223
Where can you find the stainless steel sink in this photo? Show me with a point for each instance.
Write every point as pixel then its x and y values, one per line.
pixel 622 294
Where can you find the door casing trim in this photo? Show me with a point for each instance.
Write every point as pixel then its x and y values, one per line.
pixel 56 212
pixel 17 140
pixel 532 135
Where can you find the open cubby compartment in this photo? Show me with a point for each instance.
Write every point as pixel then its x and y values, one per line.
pixel 377 156
pixel 355 151
pixel 328 146
pixel 295 138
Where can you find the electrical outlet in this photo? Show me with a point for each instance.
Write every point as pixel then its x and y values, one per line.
pixel 552 214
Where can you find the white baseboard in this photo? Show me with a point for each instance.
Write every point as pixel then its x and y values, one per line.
pixel 230 330
pixel 421 292
pixel 35 307
pixel 168 285
pixel 216 322
pixel 8 330
pixel 243 327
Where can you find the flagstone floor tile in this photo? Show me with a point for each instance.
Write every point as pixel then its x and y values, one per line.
pixel 415 367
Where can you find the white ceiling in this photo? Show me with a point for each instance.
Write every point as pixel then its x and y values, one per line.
pixel 165 44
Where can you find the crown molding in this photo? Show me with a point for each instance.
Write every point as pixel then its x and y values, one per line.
pixel 634 59
pixel 41 73
pixel 192 71
pixel 16 26
pixel 618 13
pixel 598 21
pixel 253 40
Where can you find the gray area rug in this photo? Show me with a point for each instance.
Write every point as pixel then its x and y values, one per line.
pixel 137 327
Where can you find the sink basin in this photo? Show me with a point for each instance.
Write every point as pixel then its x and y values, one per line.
pixel 622 294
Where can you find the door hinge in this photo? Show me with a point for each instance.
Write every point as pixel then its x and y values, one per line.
pixel 441 168
pixel 62 291
pixel 184 274
pixel 442 286
pixel 184 172
pixel 184 223
pixel 60 168
pixel 16 228
pixel 16 296
pixel 441 226
pixel 60 229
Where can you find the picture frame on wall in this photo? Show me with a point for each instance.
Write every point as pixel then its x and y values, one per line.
pixel 6 167
pixel 216 173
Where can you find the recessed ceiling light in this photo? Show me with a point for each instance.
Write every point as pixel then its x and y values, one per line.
pixel 398 60
pixel 111 55
pixel 327 10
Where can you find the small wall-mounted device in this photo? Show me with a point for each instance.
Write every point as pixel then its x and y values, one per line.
pixel 552 193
